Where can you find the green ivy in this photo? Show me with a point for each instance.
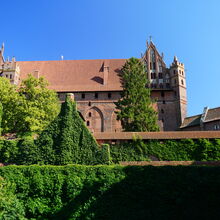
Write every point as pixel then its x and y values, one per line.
pixel 68 141
pixel 109 192
pixel 173 150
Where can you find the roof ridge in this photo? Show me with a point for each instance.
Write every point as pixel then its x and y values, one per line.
pixel 70 60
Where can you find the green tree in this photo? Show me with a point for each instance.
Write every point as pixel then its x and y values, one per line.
pixel 1 113
pixel 12 104
pixel 40 104
pixel 29 108
pixel 135 108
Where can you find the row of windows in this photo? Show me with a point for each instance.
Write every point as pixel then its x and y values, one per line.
pixel 154 76
pixel 182 82
pixel 180 72
pixel 8 76
pixel 161 85
pixel 96 95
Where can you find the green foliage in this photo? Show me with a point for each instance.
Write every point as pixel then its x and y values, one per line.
pixel 171 150
pixel 46 149
pixel 1 113
pixel 8 151
pixel 12 104
pixel 135 109
pixel 40 104
pixel 28 152
pixel 10 207
pixel 111 192
pixel 67 140
pixel 29 109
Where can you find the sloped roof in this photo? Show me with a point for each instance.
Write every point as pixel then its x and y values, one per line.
pixel 191 121
pixel 212 115
pixel 75 75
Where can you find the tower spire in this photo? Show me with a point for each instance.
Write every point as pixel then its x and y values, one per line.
pixel 3 48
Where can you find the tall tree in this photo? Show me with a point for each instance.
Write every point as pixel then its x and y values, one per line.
pixel 40 104
pixel 135 108
pixel 29 108
pixel 12 104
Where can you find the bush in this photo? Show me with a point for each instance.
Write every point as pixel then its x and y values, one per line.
pixel 8 151
pixel 112 192
pixel 172 150
pixel 10 207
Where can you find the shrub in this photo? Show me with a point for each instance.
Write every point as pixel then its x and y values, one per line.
pixel 10 207
pixel 111 192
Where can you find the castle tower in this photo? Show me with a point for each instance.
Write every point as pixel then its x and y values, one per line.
pixel 178 83
pixel 9 69
pixel 2 55
pixel 155 66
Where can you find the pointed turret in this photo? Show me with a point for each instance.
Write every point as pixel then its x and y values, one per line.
pixel 155 66
pixel 2 54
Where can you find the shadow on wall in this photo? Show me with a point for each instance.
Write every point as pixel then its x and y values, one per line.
pixel 149 193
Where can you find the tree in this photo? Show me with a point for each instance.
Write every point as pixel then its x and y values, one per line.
pixel 135 108
pixel 29 108
pixel 12 104
pixel 1 113
pixel 40 104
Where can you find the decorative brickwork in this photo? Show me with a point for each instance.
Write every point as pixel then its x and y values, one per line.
pixel 96 86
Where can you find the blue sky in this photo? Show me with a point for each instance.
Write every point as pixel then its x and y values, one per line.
pixel 97 29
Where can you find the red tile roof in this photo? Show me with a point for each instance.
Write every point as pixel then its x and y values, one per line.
pixel 75 75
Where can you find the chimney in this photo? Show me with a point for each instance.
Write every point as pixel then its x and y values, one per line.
pixel 105 72
pixel 71 95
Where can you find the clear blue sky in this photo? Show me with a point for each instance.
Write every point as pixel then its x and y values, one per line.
pixel 97 29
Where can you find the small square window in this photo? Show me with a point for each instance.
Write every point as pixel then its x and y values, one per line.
pixel 109 95
pixel 88 123
pixel 83 95
pixel 96 95
pixel 90 114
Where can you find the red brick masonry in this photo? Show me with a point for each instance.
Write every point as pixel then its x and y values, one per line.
pixel 120 136
pixel 170 163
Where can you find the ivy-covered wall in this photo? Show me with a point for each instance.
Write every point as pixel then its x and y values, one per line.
pixel 27 151
pixel 109 192
pixel 173 150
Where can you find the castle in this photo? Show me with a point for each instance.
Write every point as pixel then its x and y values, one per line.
pixel 96 86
